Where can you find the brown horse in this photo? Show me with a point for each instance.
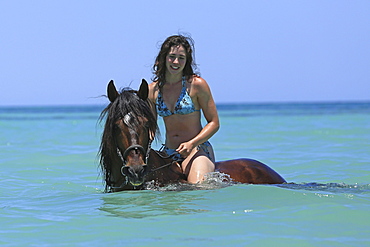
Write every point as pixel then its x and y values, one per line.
pixel 127 160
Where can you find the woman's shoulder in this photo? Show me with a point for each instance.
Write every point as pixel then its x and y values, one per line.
pixel 199 83
pixel 153 90
pixel 153 85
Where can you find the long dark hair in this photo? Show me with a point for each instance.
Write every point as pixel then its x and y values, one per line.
pixel 159 67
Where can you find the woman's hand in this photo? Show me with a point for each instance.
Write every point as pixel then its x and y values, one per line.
pixel 185 149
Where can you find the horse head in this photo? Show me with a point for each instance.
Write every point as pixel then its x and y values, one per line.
pixel 130 125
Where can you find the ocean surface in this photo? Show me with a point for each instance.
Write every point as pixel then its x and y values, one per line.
pixel 51 191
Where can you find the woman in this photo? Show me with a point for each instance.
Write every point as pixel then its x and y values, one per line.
pixel 179 94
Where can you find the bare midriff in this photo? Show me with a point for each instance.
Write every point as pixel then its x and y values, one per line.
pixel 181 128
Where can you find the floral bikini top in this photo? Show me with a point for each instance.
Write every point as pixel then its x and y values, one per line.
pixel 184 104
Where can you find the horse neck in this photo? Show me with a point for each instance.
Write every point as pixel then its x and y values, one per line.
pixel 164 170
pixel 155 160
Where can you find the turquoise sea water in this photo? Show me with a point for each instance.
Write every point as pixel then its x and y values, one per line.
pixel 51 192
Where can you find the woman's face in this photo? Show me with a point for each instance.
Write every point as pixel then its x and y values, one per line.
pixel 176 60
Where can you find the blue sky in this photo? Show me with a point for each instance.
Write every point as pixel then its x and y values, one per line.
pixel 65 52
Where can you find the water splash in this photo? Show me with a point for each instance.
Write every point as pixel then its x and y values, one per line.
pixel 213 180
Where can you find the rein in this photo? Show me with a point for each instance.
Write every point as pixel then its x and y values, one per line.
pixel 158 168
pixel 142 150
pixel 172 156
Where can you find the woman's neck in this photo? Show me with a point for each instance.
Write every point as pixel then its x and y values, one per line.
pixel 172 79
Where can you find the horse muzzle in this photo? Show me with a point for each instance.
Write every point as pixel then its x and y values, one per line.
pixel 135 174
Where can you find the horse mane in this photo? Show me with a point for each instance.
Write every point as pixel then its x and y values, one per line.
pixel 127 102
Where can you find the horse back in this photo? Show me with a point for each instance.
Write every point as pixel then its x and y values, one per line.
pixel 249 171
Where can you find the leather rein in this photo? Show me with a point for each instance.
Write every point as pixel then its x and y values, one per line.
pixel 146 153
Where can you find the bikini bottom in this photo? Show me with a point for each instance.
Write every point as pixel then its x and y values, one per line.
pixel 177 157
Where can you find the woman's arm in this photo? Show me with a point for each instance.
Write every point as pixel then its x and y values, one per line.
pixel 208 106
pixel 152 96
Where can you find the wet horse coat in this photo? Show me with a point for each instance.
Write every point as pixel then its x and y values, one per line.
pixel 127 160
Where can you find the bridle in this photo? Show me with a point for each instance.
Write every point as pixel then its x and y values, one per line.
pixel 135 147
pixel 139 148
pixel 142 150
pixel 123 158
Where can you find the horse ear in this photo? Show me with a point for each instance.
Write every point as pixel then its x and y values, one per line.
pixel 112 91
pixel 143 90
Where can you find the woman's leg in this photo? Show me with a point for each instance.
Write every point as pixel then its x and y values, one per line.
pixel 198 164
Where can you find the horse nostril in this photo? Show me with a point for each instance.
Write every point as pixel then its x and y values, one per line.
pixel 143 170
pixel 128 171
pixel 137 172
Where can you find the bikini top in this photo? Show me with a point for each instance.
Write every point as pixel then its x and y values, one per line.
pixel 184 104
